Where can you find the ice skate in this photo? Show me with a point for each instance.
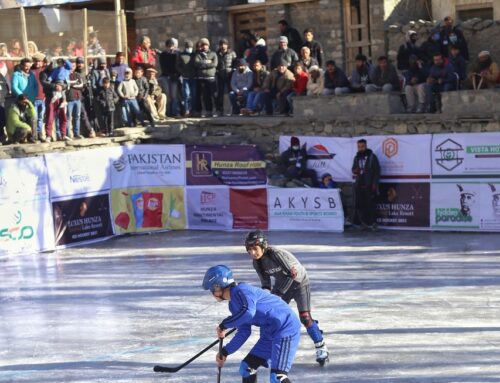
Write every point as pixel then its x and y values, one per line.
pixel 322 354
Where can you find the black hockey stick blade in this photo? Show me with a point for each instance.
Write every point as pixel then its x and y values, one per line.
pixel 180 367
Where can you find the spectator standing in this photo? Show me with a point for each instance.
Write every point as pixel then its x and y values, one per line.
pixel 4 92
pixel 316 82
pixel 143 54
pixel 128 91
pixel 360 77
pixel 293 163
pixel 335 80
pixel 48 91
pixel 441 78
pixel 205 63
pixel 409 48
pixel 242 45
pixel 61 72
pixel 452 35
pixel 21 121
pixel 299 86
pixel 156 100
pixel 254 99
pixel 120 66
pixel 284 53
pixel 485 73
pixel 226 61
pixel 314 46
pixel 24 81
pixel 306 60
pixel 169 80
pixel 384 77
pixel 187 71
pixel 276 87
pixel 430 47
pixel 458 63
pixel 39 104
pixel 107 99
pixel 366 170
pixel 293 36
pixel 241 83
pixel 96 77
pixel 257 51
pixel 56 111
pixel 74 99
pixel 143 86
pixel 86 100
pixel 416 77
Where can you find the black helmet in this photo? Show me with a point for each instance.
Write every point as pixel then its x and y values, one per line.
pixel 256 238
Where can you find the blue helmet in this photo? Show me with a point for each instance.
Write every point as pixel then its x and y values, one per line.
pixel 217 276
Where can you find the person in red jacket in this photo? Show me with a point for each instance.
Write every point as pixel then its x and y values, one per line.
pixel 143 55
pixel 299 86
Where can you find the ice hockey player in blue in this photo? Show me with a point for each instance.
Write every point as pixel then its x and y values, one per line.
pixel 290 282
pixel 252 306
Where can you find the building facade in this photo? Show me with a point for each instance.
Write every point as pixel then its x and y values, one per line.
pixel 467 9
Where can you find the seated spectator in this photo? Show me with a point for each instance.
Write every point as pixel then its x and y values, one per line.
pixel 383 77
pixel 276 88
pixel 284 53
pixel 316 82
pixel 94 47
pixel 409 48
pixel 293 36
pixel 107 99
pixel 431 47
pixel 484 75
pixel 335 80
pixel 299 86
pixel 128 91
pixel 56 111
pixel 255 95
pixel 458 63
pixel 327 182
pixel 441 79
pixel 21 121
pixel 241 82
pixel 314 46
pixel 257 51
pixel 61 72
pixel 119 66
pixel 293 164
pixel 143 54
pixel 306 60
pixel 24 81
pixel 416 77
pixel 156 101
pixel 360 77
pixel 452 35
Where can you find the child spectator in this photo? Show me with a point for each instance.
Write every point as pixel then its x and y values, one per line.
pixel 327 182
pixel 107 99
pixel 299 86
pixel 156 101
pixel 315 84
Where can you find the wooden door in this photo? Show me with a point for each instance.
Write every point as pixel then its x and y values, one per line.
pixel 253 21
pixel 357 30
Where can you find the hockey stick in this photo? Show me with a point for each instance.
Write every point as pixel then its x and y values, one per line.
pixel 180 367
pixel 219 374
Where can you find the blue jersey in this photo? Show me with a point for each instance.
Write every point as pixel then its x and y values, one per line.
pixel 252 306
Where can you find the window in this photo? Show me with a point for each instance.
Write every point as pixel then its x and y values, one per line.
pixel 482 13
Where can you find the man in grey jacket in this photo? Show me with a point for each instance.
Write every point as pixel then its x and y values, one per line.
pixel 241 83
pixel 205 63
pixel 290 282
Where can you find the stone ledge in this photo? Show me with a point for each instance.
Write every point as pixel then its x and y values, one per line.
pixel 483 104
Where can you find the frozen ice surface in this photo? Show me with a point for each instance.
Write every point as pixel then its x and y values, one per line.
pixel 395 307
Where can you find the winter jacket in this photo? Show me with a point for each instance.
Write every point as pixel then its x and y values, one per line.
pixel 107 99
pixel 40 95
pixel 293 158
pixel 48 86
pixel 259 78
pixel 316 87
pixel 185 65
pixel 120 71
pixel 23 83
pixel 389 76
pixel 445 73
pixel 337 79
pixel 307 64
pixel 225 61
pixel 405 51
pixel 257 52
pixel 242 81
pixel 490 80
pixel 4 89
pixel 96 77
pixel 74 92
pixel 206 65
pixel 446 42
pixel 16 119
pixel 61 73
pixel 360 77
pixel 366 170
pixel 459 66
pixel 300 84
pixel 142 57
pixel 288 55
pixel 143 86
pixel 128 89
pixel 168 64
pixel 294 39
pixel 279 82
pixel 316 51
pixel 415 72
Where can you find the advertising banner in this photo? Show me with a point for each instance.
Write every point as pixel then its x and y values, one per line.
pixel 23 179
pixel 232 165
pixel 142 210
pixel 26 227
pixel 405 205
pixel 333 155
pixel 80 172
pixel 149 165
pixel 468 155
pixel 82 219
pixel 305 209
pixel 249 208
pixel 466 205
pixel 208 208
pixel 402 156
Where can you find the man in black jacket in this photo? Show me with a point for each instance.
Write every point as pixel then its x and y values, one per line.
pixel 452 35
pixel 205 63
pixel 409 48
pixel 226 59
pixel 314 46
pixel 294 39
pixel 169 80
pixel 293 162
pixel 4 91
pixel 185 67
pixel 366 170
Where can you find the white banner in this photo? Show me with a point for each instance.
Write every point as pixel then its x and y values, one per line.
pixel 80 172
pixel 305 209
pixel 26 227
pixel 208 208
pixel 467 155
pixel 465 205
pixel 402 156
pixel 23 179
pixel 332 155
pixel 149 165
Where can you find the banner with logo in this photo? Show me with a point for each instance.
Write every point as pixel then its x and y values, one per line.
pixel 404 205
pixel 26 227
pixel 305 209
pixel 467 155
pixel 148 165
pixel 333 155
pixel 232 165
pixel 84 219
pixel 208 208
pixel 249 208
pixel 23 179
pixel 142 210
pixel 465 205
pixel 80 172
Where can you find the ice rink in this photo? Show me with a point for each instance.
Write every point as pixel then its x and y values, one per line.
pixel 395 307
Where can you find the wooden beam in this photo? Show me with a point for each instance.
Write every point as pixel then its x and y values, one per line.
pixel 24 32
pixel 85 40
